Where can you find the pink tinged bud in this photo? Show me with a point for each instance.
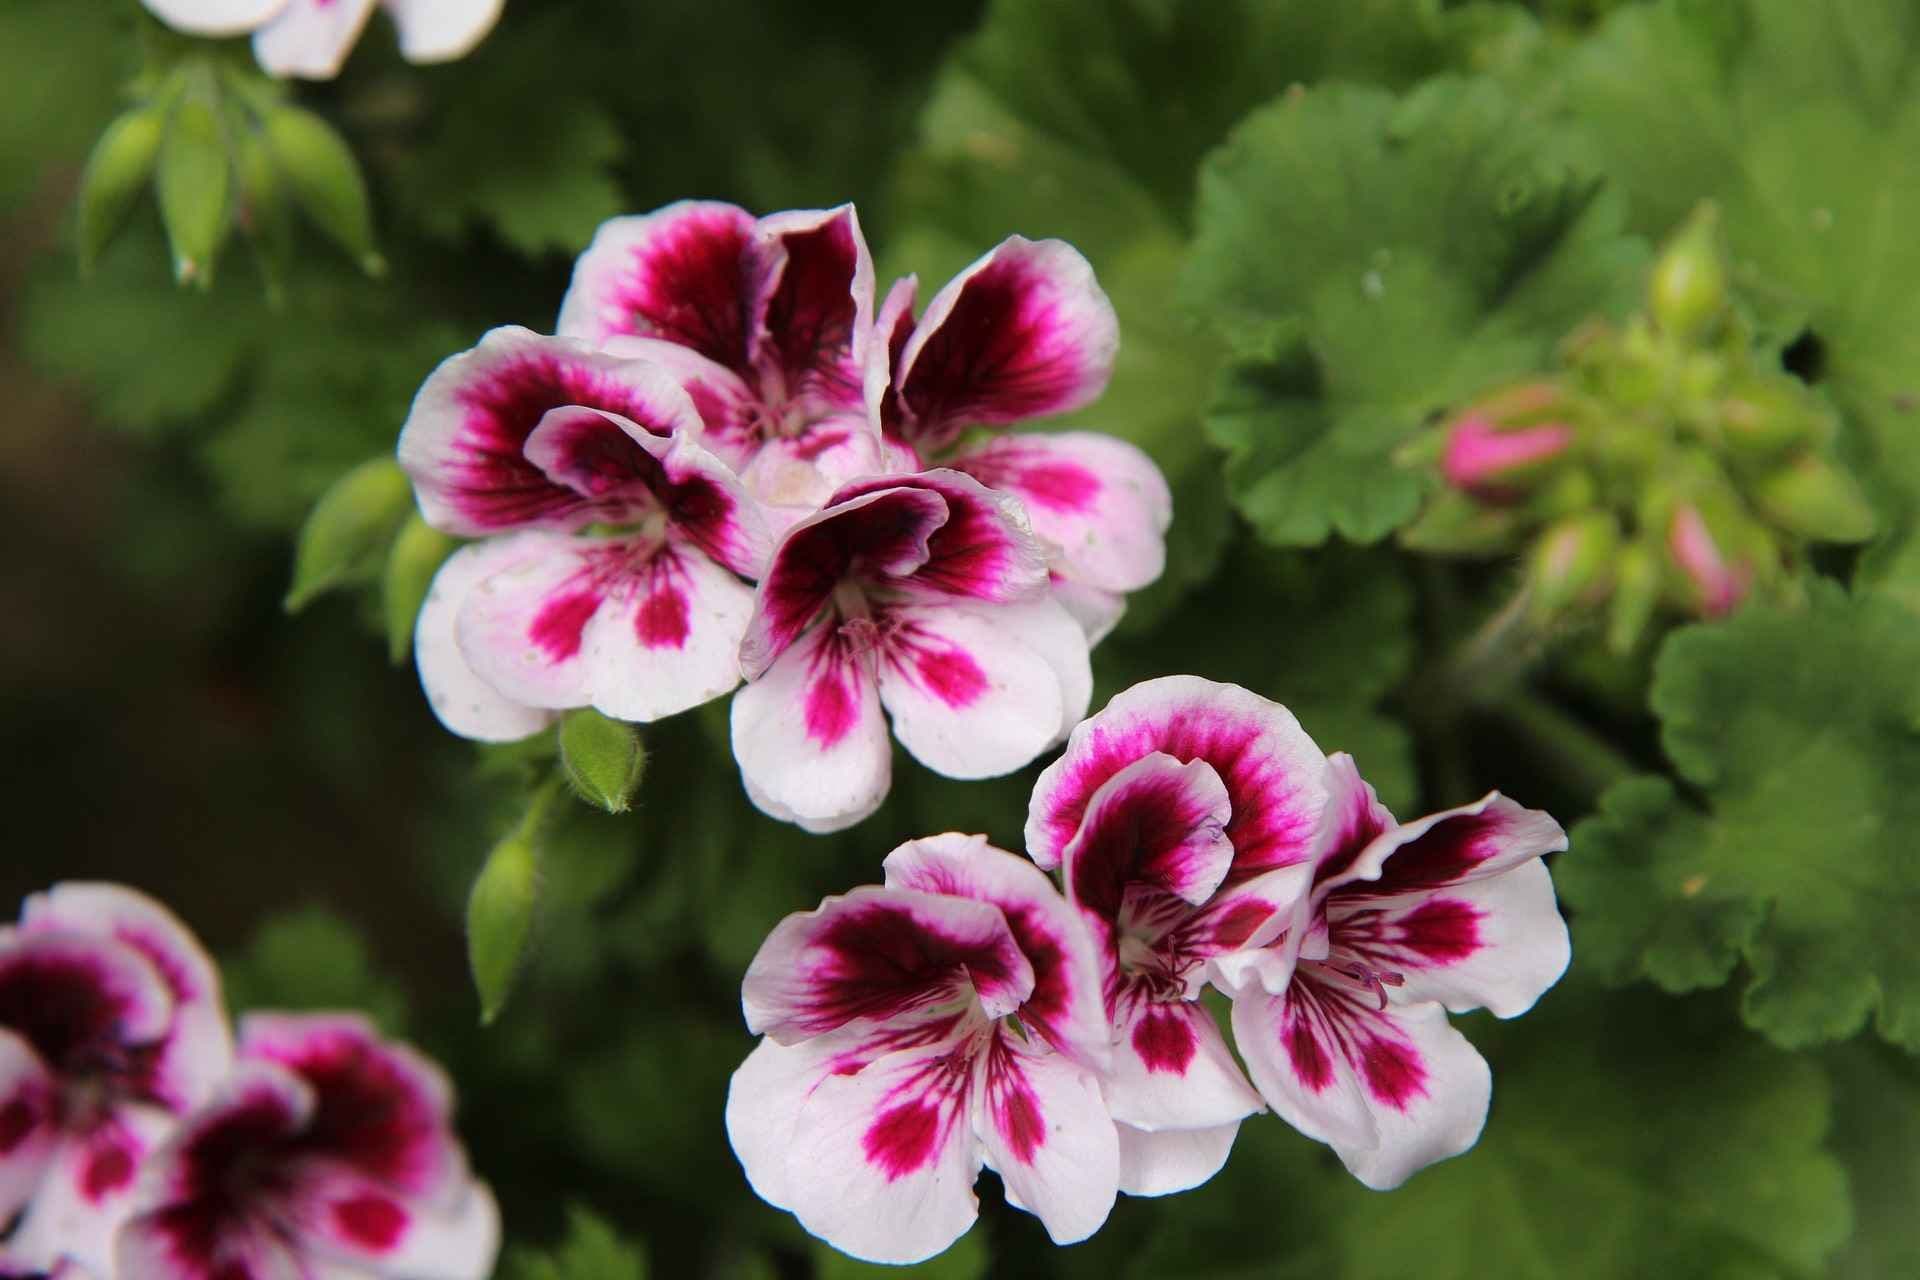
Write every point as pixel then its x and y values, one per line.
pixel 1479 456
pixel 1719 586
pixel 1572 562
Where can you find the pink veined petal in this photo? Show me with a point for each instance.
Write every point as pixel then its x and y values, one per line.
pixel 884 533
pixel 29 1103
pixel 1496 943
pixel 1274 774
pixel 1248 931
pixel 1064 1008
pixel 464 442
pixel 344 1214
pixel 463 702
pixel 707 505
pixel 1098 504
pixel 1157 823
pixel 880 955
pixel 1172 1069
pixel 1390 1090
pixel 969 698
pixel 199 1048
pixel 883 1161
pixel 1050 631
pixel 985 550
pixel 729 413
pixel 214 17
pixel 809 737
pixel 379 1108
pixel 1024 332
pixel 1353 819
pixel 311 38
pixel 1159 1164
pixel 671 641
pixel 1047 1133
pixel 89 1190
pixel 891 329
pixel 795 476
pixel 812 285
pixel 1097 611
pixel 1472 842
pixel 677 274
pixel 522 630
pixel 162 1245
pixel 442 30
pixel 79 995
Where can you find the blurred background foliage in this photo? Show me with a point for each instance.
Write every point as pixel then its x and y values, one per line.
pixel 1322 225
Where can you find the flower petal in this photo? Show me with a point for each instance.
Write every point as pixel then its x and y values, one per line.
pixel 1022 333
pixel 969 699
pixel 885 532
pixel 883 1160
pixel 1097 611
pixel 672 641
pixel 809 737
pixel 461 700
pixel 1274 774
pixel 677 274
pixel 522 630
pixel 169 1244
pixel 1064 1008
pixel 1471 842
pixel 812 283
pixel 1496 943
pixel 1157 823
pixel 1047 1134
pixel 29 1103
pixel 1390 1090
pixel 1172 1069
pixel 1159 1164
pixel 214 17
pixel 891 329
pixel 797 475
pixel 464 442
pixel 881 955
pixel 984 551
pixel 80 996
pixel 362 1222
pixel 442 30
pixel 1098 504
pixel 311 38
pixel 89 1190
pixel 199 1049
pixel 730 414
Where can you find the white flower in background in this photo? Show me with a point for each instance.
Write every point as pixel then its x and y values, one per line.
pixel 312 38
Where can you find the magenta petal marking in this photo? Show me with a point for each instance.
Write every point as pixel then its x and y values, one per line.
pixel 557 628
pixel 1324 1016
pixel 373 1222
pixel 1442 930
pixel 981 551
pixel 943 669
pixel 809 319
pixel 1039 477
pixel 1394 1073
pixel 18 1118
pixel 1014 1109
pixel 110 1165
pixel 882 960
pixel 662 620
pixel 685 283
pixel 903 1139
pixel 1164 1041
pixel 833 696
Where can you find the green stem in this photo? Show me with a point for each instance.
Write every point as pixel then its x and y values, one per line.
pixel 1567 744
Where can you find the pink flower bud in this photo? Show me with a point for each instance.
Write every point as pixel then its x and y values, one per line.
pixel 1720 586
pixel 1479 455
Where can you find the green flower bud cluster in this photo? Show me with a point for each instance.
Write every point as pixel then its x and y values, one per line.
pixel 1670 466
pixel 224 150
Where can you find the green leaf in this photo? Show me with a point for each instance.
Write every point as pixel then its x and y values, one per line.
pixel 350 531
pixel 1374 260
pixel 1876 1132
pixel 311 959
pixel 591 1251
pixel 604 758
pixel 1801 733
pixel 503 907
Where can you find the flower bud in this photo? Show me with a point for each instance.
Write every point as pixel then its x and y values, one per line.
pixel 604 759
pixel 1765 417
pixel 1453 524
pixel 500 918
pixel 1484 460
pixel 194 183
pixel 1716 583
pixel 119 167
pixel 326 179
pixel 1815 499
pixel 1687 291
pixel 1636 594
pixel 1571 562
pixel 346 537
pixel 417 554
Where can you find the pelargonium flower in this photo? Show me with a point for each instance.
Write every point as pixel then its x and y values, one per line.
pixel 767 322
pixel 111 1028
pixel 328 1151
pixel 914 1032
pixel 1182 818
pixel 1026 332
pixel 925 594
pixel 611 538
pixel 1343 1021
pixel 312 38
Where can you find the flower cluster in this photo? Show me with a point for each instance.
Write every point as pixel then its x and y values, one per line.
pixel 967 1013
pixel 312 38
pixel 722 405
pixel 1667 467
pixel 137 1140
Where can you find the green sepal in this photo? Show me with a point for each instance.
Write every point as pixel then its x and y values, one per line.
pixel 326 179
pixel 1816 499
pixel 502 910
pixel 195 184
pixel 349 530
pixel 122 162
pixel 604 758
pixel 418 551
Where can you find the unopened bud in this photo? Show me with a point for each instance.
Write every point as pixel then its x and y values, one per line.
pixel 118 169
pixel 1687 291
pixel 1454 524
pixel 1571 562
pixel 1816 499
pixel 1637 573
pixel 325 177
pixel 347 535
pixel 604 759
pixel 1485 460
pixel 1765 417
pixel 418 551
pixel 1717 583
pixel 194 183
pixel 500 918
pixel 1520 405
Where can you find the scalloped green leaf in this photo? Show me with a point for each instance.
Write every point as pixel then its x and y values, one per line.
pixel 592 1250
pixel 1800 733
pixel 1373 259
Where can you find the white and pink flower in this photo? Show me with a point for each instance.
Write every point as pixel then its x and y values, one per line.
pixel 328 1151
pixel 111 1028
pixel 915 1032
pixel 1343 1021
pixel 612 541
pixel 925 594
pixel 312 38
